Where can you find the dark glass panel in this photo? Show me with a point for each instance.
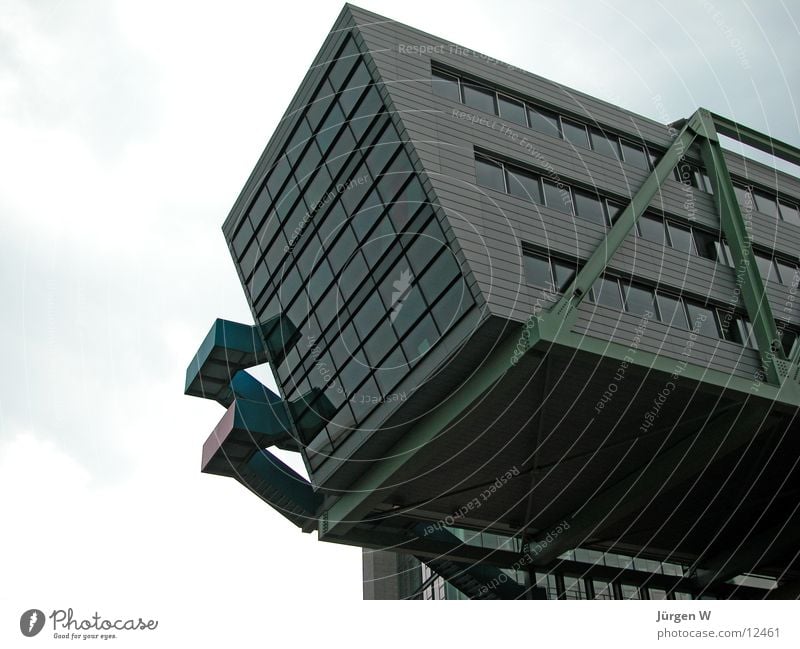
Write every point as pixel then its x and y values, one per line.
pixel 347 59
pixel 489 174
pixel 524 185
pixel 479 98
pixel 419 341
pixel 606 292
pixel 512 110
pixel 703 319
pixel 242 237
pixel 788 272
pixel 557 198
pixel 575 133
pixel 652 229
pixel 766 203
pixel 452 305
pixel 278 175
pixel 544 121
pixel 368 315
pixel 634 154
pixel 639 300
pixel 296 146
pixel 319 106
pixel 766 268
pixel 588 206
pixel 563 273
pixel 445 85
pixel 537 270
pixel 329 129
pixel 789 213
pixel 680 238
pixel 706 244
pixel 605 144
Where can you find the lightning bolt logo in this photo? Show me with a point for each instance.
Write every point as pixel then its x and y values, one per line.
pixel 31 622
pixel 401 288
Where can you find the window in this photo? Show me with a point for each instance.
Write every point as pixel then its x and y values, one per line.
pixel 604 144
pixel 639 300
pixel 656 593
pixel 788 272
pixel 634 155
pixel 563 273
pixel 537 270
pixel 479 98
pixel 788 336
pixel 575 133
pixel 766 203
pixel 605 291
pixel 489 174
pixel 602 589
pixel 703 320
pixel 629 592
pixel 652 229
pixel 729 326
pixel 420 340
pixel 766 267
pixel 681 238
pixel 574 588
pixel 524 185
pixel 789 213
pixel 544 121
pixel 744 195
pixel 614 210
pixel 512 110
pixel 746 333
pixel 445 86
pixel 671 311
pixel 706 245
pixel 557 198
pixel 588 206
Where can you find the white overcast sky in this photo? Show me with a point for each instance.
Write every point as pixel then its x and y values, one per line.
pixel 126 132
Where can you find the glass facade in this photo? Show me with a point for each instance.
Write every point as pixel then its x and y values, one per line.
pixel 343 243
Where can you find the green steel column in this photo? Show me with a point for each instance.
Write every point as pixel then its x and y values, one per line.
pixel 737 234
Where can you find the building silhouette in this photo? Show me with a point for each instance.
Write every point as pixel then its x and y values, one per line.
pixel 528 344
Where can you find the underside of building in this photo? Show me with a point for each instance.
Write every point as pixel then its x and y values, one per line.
pixel 527 344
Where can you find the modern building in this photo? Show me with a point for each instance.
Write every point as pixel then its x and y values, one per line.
pixel 527 343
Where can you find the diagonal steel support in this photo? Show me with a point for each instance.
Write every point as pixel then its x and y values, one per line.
pixel 737 233
pixel 566 308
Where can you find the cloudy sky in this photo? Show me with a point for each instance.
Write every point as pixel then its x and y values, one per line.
pixel 126 132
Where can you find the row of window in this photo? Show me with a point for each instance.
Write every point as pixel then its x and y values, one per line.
pixel 715 322
pixel 542 191
pixel 524 113
pixel 767 203
pixel 558 586
pixel 603 211
pixel 482 97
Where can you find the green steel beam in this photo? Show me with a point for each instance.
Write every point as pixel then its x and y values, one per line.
pixel 725 431
pixel 736 231
pixel 680 368
pixel 753 138
pixel 566 308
